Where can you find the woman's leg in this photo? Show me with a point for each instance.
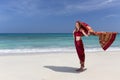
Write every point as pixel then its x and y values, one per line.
pixel 80 52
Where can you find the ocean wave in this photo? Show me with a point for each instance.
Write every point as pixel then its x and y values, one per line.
pixel 100 49
pixel 44 50
pixel 52 50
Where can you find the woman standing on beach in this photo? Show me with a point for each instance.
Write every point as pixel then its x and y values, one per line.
pixel 83 29
pixel 78 32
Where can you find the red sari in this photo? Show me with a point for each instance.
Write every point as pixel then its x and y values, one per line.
pixel 105 38
pixel 79 46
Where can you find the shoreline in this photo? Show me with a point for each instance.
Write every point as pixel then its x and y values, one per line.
pixel 46 53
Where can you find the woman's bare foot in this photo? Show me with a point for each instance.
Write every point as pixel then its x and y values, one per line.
pixel 80 69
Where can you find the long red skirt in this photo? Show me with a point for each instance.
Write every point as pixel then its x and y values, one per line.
pixel 80 50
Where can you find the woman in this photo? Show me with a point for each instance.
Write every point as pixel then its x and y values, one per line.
pixel 83 29
pixel 78 32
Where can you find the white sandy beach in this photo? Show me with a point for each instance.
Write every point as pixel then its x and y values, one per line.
pixel 61 66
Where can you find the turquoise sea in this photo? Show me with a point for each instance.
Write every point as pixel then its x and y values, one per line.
pixel 23 43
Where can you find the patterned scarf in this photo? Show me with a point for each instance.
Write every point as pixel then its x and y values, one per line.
pixel 105 38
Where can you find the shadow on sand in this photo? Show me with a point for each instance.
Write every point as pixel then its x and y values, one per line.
pixel 63 69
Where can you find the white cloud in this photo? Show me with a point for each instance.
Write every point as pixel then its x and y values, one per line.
pixel 112 16
pixel 92 5
pixel 46 7
pixel 24 7
pixel 27 7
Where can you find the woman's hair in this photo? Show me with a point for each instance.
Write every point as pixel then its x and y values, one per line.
pixel 80 26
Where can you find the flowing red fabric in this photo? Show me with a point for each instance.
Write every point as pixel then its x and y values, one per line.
pixel 105 38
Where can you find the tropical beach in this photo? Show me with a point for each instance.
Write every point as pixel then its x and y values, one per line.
pixel 59 40
pixel 21 58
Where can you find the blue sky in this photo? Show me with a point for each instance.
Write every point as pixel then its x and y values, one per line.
pixel 58 16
